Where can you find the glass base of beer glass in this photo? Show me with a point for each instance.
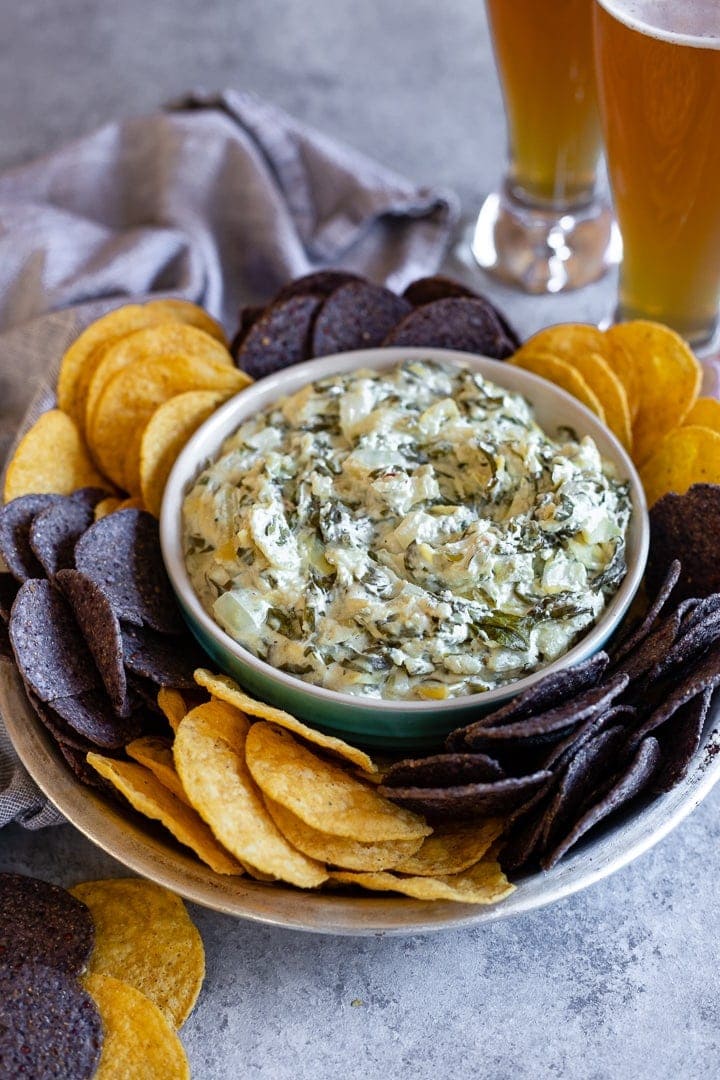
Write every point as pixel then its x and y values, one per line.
pixel 545 250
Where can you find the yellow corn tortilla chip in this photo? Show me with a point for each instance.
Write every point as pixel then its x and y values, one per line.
pixel 107 506
pixel 620 360
pixel 704 413
pixel 687 456
pixel 144 935
pixel 138 1042
pixel 51 457
pixel 452 848
pixel 150 797
pixel 187 312
pixel 340 850
pixel 565 341
pixel 166 433
pixel 156 755
pixel 134 393
pixel 483 883
pixel 610 392
pixel 226 689
pixel 172 705
pixel 669 377
pixel 209 752
pixel 563 374
pixel 164 339
pixel 132 504
pixel 80 360
pixel 322 794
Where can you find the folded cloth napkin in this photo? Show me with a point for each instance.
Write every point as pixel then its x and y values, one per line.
pixel 219 199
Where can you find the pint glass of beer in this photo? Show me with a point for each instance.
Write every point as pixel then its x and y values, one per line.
pixel 658 67
pixel 546 230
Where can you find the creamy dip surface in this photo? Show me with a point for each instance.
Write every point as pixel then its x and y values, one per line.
pixel 408 533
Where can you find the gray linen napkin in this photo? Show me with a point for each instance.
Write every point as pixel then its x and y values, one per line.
pixel 219 199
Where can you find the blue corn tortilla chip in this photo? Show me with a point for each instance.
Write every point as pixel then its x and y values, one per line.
pixel 50 1027
pixel 570 713
pixel 91 715
pixel 44 923
pixel 281 337
pixel 680 739
pixel 455 323
pixel 552 690
pixel 686 527
pixel 58 728
pixel 16 518
pixel 440 770
pixel 55 531
pixel 634 779
pixel 649 619
pixel 166 662
pixel 121 554
pixel 249 315
pixel 467 800
pixel 100 627
pixel 49 649
pixel 356 316
pixel 437 287
pixel 582 775
pixel 318 283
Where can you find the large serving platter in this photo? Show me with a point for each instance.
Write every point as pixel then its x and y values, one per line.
pixel 151 853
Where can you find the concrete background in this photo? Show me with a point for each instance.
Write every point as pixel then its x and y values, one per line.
pixel 618 982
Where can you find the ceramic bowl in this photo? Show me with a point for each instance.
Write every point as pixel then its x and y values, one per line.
pixel 361 719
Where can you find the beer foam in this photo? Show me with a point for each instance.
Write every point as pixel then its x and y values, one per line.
pixel 680 22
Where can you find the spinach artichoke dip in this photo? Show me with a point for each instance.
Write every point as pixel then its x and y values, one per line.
pixel 409 533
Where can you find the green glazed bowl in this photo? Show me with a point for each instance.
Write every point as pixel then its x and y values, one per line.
pixel 369 721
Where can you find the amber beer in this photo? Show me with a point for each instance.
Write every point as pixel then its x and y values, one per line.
pixel 658 67
pixel 544 55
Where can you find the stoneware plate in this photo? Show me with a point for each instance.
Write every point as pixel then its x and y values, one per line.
pixel 149 851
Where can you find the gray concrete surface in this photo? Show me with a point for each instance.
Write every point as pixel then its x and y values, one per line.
pixel 618 983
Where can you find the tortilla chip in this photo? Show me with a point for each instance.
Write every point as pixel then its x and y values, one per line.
pixel 452 848
pixel 165 435
pixel 209 754
pixel 562 373
pixel 688 455
pixel 669 376
pixel 322 794
pixel 165 339
pixel 150 797
pixel 138 1041
pixel 172 705
pixel 144 934
pixel 132 395
pixel 340 850
pixel 155 753
pixel 50 457
pixel 226 689
pixel 483 883
pixel 192 314
pixel 107 506
pixel 80 360
pixel 610 391
pixel 704 413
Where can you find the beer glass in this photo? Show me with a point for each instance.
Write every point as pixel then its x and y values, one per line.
pixel 546 230
pixel 658 64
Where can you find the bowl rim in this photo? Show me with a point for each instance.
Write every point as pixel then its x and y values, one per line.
pixel 205 443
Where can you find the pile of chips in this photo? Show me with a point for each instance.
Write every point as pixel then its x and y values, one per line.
pixel 332 311
pixel 91 620
pixel 584 741
pixel 132 389
pixel 251 789
pixel 95 981
pixel 643 381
